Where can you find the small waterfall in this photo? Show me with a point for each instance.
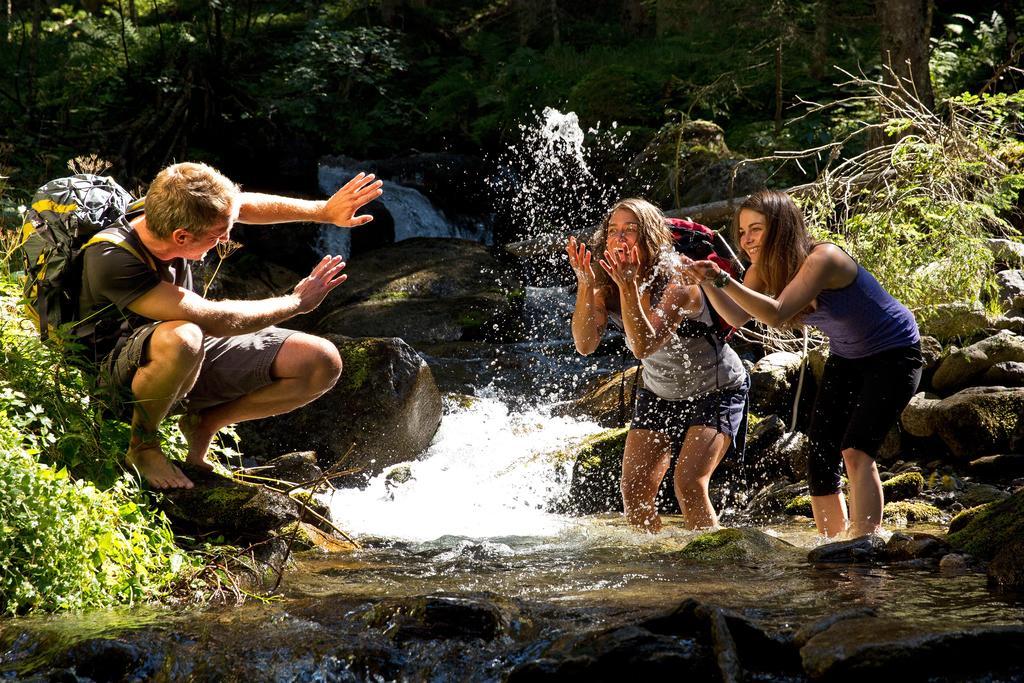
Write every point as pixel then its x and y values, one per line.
pixel 413 213
pixel 488 474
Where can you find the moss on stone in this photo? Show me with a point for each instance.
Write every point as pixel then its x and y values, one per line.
pixel 356 364
pixel 732 545
pixel 471 318
pixel 964 517
pixel 991 528
pixel 389 295
pixel 903 486
pixel 908 512
pixel 801 505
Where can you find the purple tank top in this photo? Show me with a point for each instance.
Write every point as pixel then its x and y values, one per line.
pixel 862 319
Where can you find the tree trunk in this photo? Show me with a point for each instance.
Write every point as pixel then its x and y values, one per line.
pixel 906 27
pixel 635 17
pixel 819 44
pixel 778 87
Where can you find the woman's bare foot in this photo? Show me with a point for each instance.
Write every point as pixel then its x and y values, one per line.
pixel 155 468
pixel 198 439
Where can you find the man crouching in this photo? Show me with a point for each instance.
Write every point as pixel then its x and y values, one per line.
pixel 153 337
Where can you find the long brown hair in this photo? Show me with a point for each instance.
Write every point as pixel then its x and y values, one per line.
pixel 654 239
pixel 785 245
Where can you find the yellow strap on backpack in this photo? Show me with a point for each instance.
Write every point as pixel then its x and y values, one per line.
pixel 123 243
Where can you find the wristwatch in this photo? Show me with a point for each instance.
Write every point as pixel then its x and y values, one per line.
pixel 722 279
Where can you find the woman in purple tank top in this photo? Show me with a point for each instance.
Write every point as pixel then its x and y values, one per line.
pixel 874 363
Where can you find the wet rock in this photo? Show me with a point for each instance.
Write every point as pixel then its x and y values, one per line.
pixel 808 631
pixel 385 408
pixel 903 486
pixel 1006 571
pixel 617 654
pixel 902 547
pixel 222 504
pixel 973 422
pixel 109 659
pixel 440 617
pixel 955 563
pixel 896 650
pixel 861 550
pixel 771 383
pixel 991 529
pixel 739 644
pixel 955 321
pixel 737 545
pixel 423 290
pixel 610 403
pixel 1001 466
pixel 968 365
pixel 597 467
pixel 911 512
pixel 760 439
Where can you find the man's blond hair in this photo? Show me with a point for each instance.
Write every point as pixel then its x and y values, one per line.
pixel 192 196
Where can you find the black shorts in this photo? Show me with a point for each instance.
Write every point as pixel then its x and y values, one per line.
pixel 723 409
pixel 858 402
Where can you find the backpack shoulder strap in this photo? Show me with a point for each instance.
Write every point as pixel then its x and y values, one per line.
pixel 122 242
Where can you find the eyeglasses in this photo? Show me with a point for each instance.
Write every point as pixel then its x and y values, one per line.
pixel 623 231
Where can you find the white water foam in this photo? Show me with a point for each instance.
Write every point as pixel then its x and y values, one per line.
pixel 488 474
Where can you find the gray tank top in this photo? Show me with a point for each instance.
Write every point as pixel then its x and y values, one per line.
pixel 690 366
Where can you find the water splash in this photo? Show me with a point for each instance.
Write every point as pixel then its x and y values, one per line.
pixel 489 473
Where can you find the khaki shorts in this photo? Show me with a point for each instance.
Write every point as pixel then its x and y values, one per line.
pixel 232 367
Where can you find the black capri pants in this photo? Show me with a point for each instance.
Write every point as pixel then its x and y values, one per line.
pixel 858 402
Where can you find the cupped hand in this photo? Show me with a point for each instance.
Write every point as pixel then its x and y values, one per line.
pixel 700 271
pixel 341 208
pixel 580 260
pixel 325 276
pixel 622 266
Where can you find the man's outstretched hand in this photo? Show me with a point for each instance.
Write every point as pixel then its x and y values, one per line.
pixel 325 277
pixel 341 208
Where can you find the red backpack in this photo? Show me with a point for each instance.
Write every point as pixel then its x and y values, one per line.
pixel 697 242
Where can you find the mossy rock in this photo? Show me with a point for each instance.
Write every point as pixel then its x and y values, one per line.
pixel 991 528
pixel 801 505
pixel 909 512
pixel 903 486
pixel 964 517
pixel 737 545
pixel 597 467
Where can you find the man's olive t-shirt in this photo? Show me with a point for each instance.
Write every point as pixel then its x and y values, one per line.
pixel 112 278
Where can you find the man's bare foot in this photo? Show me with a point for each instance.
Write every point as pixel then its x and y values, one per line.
pixel 155 468
pixel 198 439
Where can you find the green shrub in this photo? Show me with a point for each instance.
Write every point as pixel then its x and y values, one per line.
pixel 65 543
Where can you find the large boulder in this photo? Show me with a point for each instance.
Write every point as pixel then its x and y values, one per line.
pixel 888 649
pixel 965 367
pixel 772 383
pixel 1007 253
pixel 597 467
pixel 690 164
pixel 385 408
pixel 955 321
pixel 972 423
pixel 992 528
pixel 424 290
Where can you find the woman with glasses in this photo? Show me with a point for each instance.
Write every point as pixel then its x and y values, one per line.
pixel 874 362
pixel 695 387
